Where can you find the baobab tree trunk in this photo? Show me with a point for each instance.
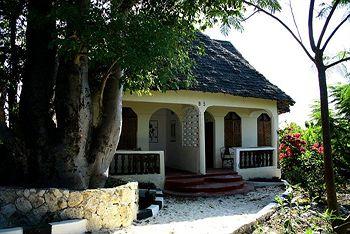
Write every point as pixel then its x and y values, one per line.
pixel 73 113
pixel 108 133
pixel 12 88
pixel 328 162
pixel 37 89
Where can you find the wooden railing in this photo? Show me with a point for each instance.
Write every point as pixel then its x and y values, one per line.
pixel 136 163
pixel 255 158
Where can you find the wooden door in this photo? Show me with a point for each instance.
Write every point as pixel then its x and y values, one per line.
pixel 264 130
pixel 233 132
pixel 209 144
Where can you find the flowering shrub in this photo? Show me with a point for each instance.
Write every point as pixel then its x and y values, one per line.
pixel 291 150
pixel 301 161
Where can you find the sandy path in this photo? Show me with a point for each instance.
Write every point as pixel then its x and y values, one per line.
pixel 205 215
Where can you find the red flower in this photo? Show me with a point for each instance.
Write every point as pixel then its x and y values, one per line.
pixel 320 149
pixel 317 147
pixel 297 135
pixel 281 146
pixel 289 151
pixel 282 156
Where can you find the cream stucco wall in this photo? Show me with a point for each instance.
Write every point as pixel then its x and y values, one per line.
pixel 217 104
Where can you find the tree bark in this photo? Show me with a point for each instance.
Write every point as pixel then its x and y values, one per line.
pixel 108 133
pixel 328 162
pixel 74 123
pixel 37 89
pixel 12 88
pixel 2 105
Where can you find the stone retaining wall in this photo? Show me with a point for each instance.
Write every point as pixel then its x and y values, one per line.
pixel 106 208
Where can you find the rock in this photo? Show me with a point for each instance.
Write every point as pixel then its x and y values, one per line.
pixel 94 224
pixel 51 202
pixel 57 193
pixel 7 196
pixel 62 204
pixel 92 204
pixel 32 190
pixel 41 193
pixel 72 213
pixel 102 209
pixel 39 213
pixel 19 192
pixel 65 193
pixel 126 196
pixel 126 215
pixel 23 205
pixel 111 218
pixel 35 200
pixel 74 199
pixel 26 193
pixel 8 210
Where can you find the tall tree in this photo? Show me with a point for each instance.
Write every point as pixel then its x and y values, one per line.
pixel 316 53
pixel 81 56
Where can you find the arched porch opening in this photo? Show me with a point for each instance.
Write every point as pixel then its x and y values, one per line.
pixel 128 137
pixel 165 135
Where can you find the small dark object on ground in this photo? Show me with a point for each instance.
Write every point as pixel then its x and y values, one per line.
pixel 42 229
pixel 147 185
pixel 146 198
pixel 113 182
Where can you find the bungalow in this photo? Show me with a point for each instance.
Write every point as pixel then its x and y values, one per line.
pixel 227 119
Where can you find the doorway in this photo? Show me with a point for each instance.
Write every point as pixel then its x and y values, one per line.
pixel 129 130
pixel 209 140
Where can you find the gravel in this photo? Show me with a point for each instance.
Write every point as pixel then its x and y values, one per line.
pixel 206 215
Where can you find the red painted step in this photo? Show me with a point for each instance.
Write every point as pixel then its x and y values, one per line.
pixel 212 187
pixel 182 182
pixel 215 182
pixel 245 189
pixel 223 178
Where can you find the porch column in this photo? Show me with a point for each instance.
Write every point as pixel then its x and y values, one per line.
pixel 201 123
pixel 274 136
pixel 219 138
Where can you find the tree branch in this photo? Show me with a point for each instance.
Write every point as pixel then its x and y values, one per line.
pixel 284 25
pixel 327 22
pixel 310 25
pixel 334 31
pixel 251 15
pixel 295 23
pixel 337 62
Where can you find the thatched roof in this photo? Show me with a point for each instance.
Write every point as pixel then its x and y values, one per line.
pixel 222 69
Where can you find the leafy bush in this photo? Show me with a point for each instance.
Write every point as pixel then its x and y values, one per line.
pixel 301 151
pixel 301 161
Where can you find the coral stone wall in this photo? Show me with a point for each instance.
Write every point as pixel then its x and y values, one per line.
pixel 106 208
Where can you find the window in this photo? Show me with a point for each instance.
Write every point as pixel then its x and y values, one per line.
pixel 233 132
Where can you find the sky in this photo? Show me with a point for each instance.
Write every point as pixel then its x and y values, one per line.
pixel 274 53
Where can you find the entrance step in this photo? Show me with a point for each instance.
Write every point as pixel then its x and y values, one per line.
pixel 219 182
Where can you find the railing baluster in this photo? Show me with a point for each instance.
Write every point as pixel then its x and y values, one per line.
pixel 271 158
pixel 255 158
pixel 136 163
